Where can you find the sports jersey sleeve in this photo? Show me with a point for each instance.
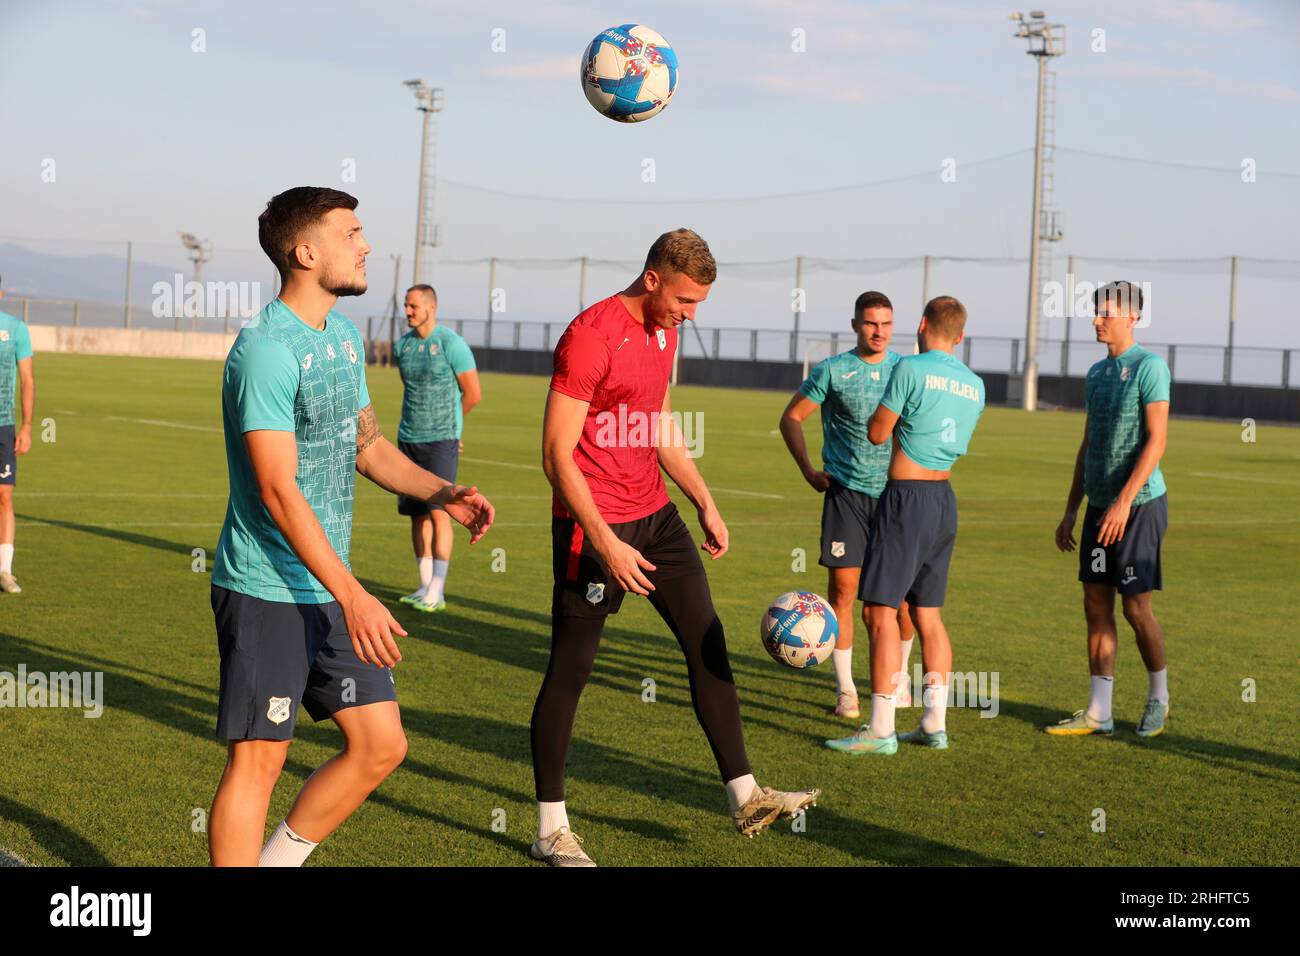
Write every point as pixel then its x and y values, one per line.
pixel 814 387
pixel 459 356
pixel 22 342
pixel 363 391
pixel 1153 381
pixel 899 388
pixel 581 362
pixel 261 384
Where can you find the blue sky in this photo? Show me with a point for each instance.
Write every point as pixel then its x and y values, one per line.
pixel 150 137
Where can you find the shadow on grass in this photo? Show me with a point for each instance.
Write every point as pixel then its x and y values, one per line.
pixel 52 835
pixel 1208 751
pixel 117 534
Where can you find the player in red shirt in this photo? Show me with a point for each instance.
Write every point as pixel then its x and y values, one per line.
pixel 606 433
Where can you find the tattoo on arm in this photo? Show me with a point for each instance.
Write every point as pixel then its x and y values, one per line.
pixel 367 428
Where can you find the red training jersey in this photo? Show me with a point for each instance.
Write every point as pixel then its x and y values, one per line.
pixel 622 367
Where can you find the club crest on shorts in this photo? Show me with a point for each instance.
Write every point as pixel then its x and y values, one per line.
pixel 837 549
pixel 351 352
pixel 663 339
pixel 277 712
pixel 595 592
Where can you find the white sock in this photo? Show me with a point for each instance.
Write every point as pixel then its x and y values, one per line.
pixel 1157 680
pixel 740 790
pixel 935 698
pixel 6 558
pixel 1099 701
pixel 905 685
pixel 437 582
pixel 285 848
pixel 550 817
pixel 882 715
pixel 843 661
pixel 426 571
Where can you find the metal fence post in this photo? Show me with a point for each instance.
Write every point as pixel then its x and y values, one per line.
pixel 717 337
pixel 1232 323
pixel 516 339
pixel 546 336
pixel 753 345
pixel 492 282
pixel 76 314
pixel 1286 368
pixel 800 298
pixel 965 355
pixel 1173 349
pixel 126 308
pixel 1015 355
pixel 835 343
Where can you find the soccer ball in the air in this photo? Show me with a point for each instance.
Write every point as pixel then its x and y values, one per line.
pixel 629 73
pixel 799 629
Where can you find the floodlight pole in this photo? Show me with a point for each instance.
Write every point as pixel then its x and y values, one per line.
pixel 1043 44
pixel 428 101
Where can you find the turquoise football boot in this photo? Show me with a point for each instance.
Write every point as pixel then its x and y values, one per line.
pixel 1152 723
pixel 935 741
pixel 863 743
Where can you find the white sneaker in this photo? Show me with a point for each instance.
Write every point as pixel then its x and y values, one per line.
pixel 9 584
pixel 561 848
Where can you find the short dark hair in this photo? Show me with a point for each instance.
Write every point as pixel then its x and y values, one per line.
pixel 290 214
pixel 871 300
pixel 682 250
pixel 1120 293
pixel 426 290
pixel 945 316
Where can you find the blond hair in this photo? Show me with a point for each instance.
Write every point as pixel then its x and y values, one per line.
pixel 682 250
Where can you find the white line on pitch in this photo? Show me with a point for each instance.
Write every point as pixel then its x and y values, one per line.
pixel 163 424
pixel 1262 481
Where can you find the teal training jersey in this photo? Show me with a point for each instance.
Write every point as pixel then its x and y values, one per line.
pixel 1116 392
pixel 283 375
pixel 15 345
pixel 938 400
pixel 848 389
pixel 431 409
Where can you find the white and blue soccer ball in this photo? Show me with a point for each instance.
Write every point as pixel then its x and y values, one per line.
pixel 629 73
pixel 799 629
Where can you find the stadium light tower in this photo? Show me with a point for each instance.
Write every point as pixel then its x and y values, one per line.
pixel 1046 40
pixel 199 251
pixel 428 101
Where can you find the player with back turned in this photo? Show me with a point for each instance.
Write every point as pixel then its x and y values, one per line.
pixel 615 530
pixel 1118 468
pixel 847 387
pixel 930 406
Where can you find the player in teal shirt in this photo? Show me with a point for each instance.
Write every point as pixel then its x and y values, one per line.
pixel 294 626
pixel 930 407
pixel 15 369
pixel 1118 468
pixel 847 388
pixel 440 385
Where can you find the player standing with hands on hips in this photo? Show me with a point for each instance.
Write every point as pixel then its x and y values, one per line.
pixel 1118 468
pixel 614 530
pixel 930 406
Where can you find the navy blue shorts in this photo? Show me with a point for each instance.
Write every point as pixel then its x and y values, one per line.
pixel 1132 564
pixel 912 535
pixel 440 457
pixel 275 656
pixel 8 459
pixel 846 523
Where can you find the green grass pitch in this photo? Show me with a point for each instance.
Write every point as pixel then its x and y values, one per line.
pixel 109 514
